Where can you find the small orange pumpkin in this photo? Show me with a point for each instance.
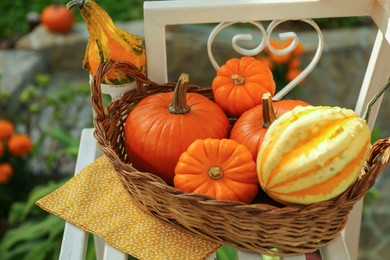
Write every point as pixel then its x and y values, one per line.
pixel 162 126
pixel 57 18
pixel 240 84
pixel 220 168
pixel 252 125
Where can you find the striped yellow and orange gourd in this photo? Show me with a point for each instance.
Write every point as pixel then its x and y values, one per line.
pixel 108 42
pixel 312 154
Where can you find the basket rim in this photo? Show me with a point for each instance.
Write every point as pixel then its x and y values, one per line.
pixel 378 159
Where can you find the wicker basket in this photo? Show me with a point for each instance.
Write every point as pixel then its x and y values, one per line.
pixel 259 227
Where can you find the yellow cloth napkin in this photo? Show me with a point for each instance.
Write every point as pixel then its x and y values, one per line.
pixel 96 201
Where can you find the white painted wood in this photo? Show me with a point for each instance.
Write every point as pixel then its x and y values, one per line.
pixel 111 253
pixel 380 13
pixel 99 247
pixel 336 250
pixel 75 240
pixel 242 255
pixel 159 14
pixel 74 243
pixel 213 256
pixel 295 257
pixel 87 149
pixel 377 74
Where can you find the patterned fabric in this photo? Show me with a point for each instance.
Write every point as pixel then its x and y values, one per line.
pixel 96 201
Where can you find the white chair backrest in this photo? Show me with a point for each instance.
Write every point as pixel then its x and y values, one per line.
pixel 159 14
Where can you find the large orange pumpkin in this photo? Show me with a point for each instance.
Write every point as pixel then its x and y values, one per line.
pixel 220 168
pixel 240 84
pixel 252 125
pixel 311 154
pixel 162 126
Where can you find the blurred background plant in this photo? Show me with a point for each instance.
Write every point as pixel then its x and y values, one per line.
pixel 38 151
pixel 284 67
pixel 15 176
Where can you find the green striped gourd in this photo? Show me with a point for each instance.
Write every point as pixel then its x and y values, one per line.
pixel 311 154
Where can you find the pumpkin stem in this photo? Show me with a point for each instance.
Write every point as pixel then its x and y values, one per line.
pixel 78 3
pixel 366 114
pixel 215 172
pixel 237 79
pixel 268 111
pixel 179 103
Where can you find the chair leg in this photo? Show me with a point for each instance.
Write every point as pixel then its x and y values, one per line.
pixel 75 240
pixel 336 250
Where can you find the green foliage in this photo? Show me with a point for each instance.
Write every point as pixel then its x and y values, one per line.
pixel 56 143
pixel 18 187
pixel 37 234
pixel 376 134
pixel 14 20
pixel 49 115
pixel 331 23
pixel 226 253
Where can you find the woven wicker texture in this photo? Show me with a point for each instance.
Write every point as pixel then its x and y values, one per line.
pixel 259 227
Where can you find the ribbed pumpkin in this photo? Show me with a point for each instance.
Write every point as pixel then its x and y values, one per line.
pixel 108 42
pixel 220 168
pixel 240 84
pixel 312 154
pixel 251 126
pixel 162 126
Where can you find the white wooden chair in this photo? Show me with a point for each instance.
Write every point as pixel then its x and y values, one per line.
pixel 159 14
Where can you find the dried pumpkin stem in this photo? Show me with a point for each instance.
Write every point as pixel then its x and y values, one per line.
pixel 268 111
pixel 179 102
pixel 366 114
pixel 215 172
pixel 78 3
pixel 237 79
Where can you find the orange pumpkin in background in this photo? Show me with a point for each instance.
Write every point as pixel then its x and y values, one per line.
pixel 251 126
pixel 240 84
pixel 162 126
pixel 57 18
pixel 220 168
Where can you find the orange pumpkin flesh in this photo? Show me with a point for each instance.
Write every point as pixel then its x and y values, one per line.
pixel 220 168
pixel 162 126
pixel 240 83
pixel 252 125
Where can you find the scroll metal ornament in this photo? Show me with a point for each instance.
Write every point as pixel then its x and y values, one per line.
pixel 265 42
